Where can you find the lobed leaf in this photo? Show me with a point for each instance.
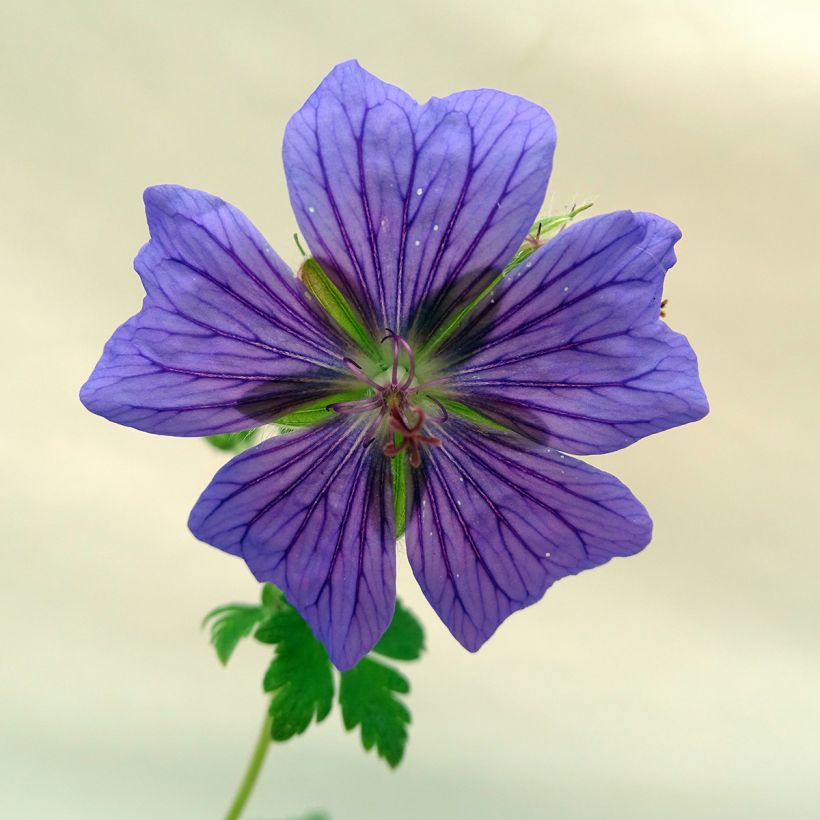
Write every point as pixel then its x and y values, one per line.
pixel 368 696
pixel 404 638
pixel 229 624
pixel 300 675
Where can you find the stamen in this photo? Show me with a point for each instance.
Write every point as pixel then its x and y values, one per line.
pixel 357 406
pixel 411 368
pixel 412 438
pixel 444 414
pixel 359 373
pixel 391 401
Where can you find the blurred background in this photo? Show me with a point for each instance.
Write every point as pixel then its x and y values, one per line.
pixel 682 683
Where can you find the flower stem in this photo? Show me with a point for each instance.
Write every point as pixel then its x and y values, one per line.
pixel 252 772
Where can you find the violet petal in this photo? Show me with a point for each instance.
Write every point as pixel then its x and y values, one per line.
pixel 224 339
pixel 494 523
pixel 310 511
pixel 571 350
pixel 407 204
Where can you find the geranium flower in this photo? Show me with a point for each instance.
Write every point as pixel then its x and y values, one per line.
pixel 454 390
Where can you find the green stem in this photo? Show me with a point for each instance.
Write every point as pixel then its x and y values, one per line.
pixel 252 772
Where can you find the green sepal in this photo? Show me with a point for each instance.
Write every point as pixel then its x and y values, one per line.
pixel 316 412
pixel 331 299
pixel 458 408
pixel 368 696
pixel 233 442
pixel 535 239
pixel 398 467
pixel 229 624
pixel 403 640
pixel 300 675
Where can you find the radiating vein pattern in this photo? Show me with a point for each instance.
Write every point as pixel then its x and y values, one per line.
pixel 441 396
pixel 309 513
pixel 414 204
pixel 571 350
pixel 494 523
pixel 224 339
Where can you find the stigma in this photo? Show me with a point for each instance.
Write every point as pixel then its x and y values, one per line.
pixel 398 417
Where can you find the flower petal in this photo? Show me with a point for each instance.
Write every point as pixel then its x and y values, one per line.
pixel 571 349
pixel 410 204
pixel 494 523
pixel 224 338
pixel 311 513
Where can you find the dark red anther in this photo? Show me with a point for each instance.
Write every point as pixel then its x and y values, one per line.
pixel 412 437
pixel 391 400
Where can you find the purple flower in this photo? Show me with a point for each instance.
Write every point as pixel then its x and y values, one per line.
pixel 463 388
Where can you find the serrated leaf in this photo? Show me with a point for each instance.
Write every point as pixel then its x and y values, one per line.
pixel 229 624
pixel 233 442
pixel 368 697
pixel 404 638
pixel 300 675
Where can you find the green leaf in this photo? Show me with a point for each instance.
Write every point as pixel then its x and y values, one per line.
pixel 273 599
pixel 229 624
pixel 233 442
pixel 368 697
pixel 404 638
pixel 317 411
pixel 300 675
pixel 399 468
pixel 331 299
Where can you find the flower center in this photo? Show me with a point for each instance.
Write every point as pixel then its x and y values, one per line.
pixel 403 419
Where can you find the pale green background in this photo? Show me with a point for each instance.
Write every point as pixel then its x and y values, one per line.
pixel 682 683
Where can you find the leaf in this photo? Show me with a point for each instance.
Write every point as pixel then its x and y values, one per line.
pixel 233 442
pixel 300 675
pixel 273 599
pixel 404 638
pixel 368 697
pixel 229 624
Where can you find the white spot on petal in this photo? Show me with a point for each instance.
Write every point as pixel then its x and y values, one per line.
pixel 418 242
pixel 435 227
pixel 312 209
pixel 566 288
pixel 419 191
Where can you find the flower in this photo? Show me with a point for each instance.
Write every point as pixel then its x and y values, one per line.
pixel 450 385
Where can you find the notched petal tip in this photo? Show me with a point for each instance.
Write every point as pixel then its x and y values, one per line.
pixel 414 206
pixel 573 352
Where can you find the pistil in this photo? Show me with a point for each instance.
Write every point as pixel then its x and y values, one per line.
pixel 405 421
